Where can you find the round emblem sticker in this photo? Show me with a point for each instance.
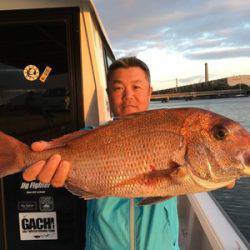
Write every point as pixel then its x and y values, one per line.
pixel 31 72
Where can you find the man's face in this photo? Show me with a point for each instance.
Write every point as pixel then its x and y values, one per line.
pixel 129 91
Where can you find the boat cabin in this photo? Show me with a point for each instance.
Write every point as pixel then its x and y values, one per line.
pixel 53 62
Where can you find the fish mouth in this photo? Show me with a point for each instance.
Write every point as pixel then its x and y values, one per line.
pixel 244 158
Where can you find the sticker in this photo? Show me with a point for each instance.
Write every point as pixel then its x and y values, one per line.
pixel 38 226
pixel 31 72
pixel 34 187
pixel 46 203
pixel 45 74
pixel 27 206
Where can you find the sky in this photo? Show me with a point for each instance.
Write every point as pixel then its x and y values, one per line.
pixel 176 38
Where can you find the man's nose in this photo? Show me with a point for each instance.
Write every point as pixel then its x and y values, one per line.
pixel 128 93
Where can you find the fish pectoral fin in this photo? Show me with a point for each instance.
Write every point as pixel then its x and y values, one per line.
pixel 148 179
pixel 151 177
pixel 179 174
pixel 153 200
pixel 175 172
pixel 80 192
pixel 161 172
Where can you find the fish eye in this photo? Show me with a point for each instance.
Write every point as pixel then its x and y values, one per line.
pixel 219 132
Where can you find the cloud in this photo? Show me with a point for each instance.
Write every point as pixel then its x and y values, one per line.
pixel 219 54
pixel 176 38
pixel 184 26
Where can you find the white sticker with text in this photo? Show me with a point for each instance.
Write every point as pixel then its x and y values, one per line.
pixel 38 226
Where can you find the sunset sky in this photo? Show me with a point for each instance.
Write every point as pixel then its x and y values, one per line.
pixel 176 38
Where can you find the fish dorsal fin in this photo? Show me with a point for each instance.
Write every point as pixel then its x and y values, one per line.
pixel 153 200
pixel 79 192
pixel 130 116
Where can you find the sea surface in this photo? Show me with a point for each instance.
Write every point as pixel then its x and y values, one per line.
pixel 235 202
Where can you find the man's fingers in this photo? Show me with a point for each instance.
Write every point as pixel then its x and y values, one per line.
pixel 40 146
pixel 49 169
pixel 32 172
pixel 231 185
pixel 61 174
pixel 54 171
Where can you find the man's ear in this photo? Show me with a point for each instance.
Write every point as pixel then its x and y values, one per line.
pixel 150 90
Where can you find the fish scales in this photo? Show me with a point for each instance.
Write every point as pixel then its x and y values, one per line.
pixel 158 153
pixel 128 153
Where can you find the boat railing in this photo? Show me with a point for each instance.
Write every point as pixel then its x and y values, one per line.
pixel 205 225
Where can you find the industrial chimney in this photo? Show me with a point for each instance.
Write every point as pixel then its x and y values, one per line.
pixel 206 73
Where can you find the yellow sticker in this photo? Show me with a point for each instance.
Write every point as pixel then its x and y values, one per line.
pixel 31 72
pixel 45 74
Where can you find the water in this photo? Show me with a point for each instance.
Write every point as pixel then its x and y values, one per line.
pixel 235 202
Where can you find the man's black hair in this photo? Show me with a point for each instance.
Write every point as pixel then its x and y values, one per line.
pixel 127 62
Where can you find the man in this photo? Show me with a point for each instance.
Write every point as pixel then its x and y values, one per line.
pixel 114 223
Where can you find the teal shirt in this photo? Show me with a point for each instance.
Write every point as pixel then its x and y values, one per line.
pixel 108 225
pixel 156 227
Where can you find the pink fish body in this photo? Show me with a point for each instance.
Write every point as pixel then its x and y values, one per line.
pixel 158 153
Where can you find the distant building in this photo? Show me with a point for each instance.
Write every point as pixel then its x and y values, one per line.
pixel 241 79
pixel 233 82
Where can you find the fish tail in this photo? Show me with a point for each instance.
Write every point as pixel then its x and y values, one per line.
pixel 12 152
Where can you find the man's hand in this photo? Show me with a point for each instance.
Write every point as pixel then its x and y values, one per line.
pixel 54 171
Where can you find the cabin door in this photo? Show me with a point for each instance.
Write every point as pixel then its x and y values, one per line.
pixel 39 99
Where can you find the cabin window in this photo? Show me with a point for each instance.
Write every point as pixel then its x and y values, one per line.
pixel 37 85
pixel 108 58
pixel 100 59
pixel 39 103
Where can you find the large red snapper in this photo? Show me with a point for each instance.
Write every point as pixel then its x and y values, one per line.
pixel 155 154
